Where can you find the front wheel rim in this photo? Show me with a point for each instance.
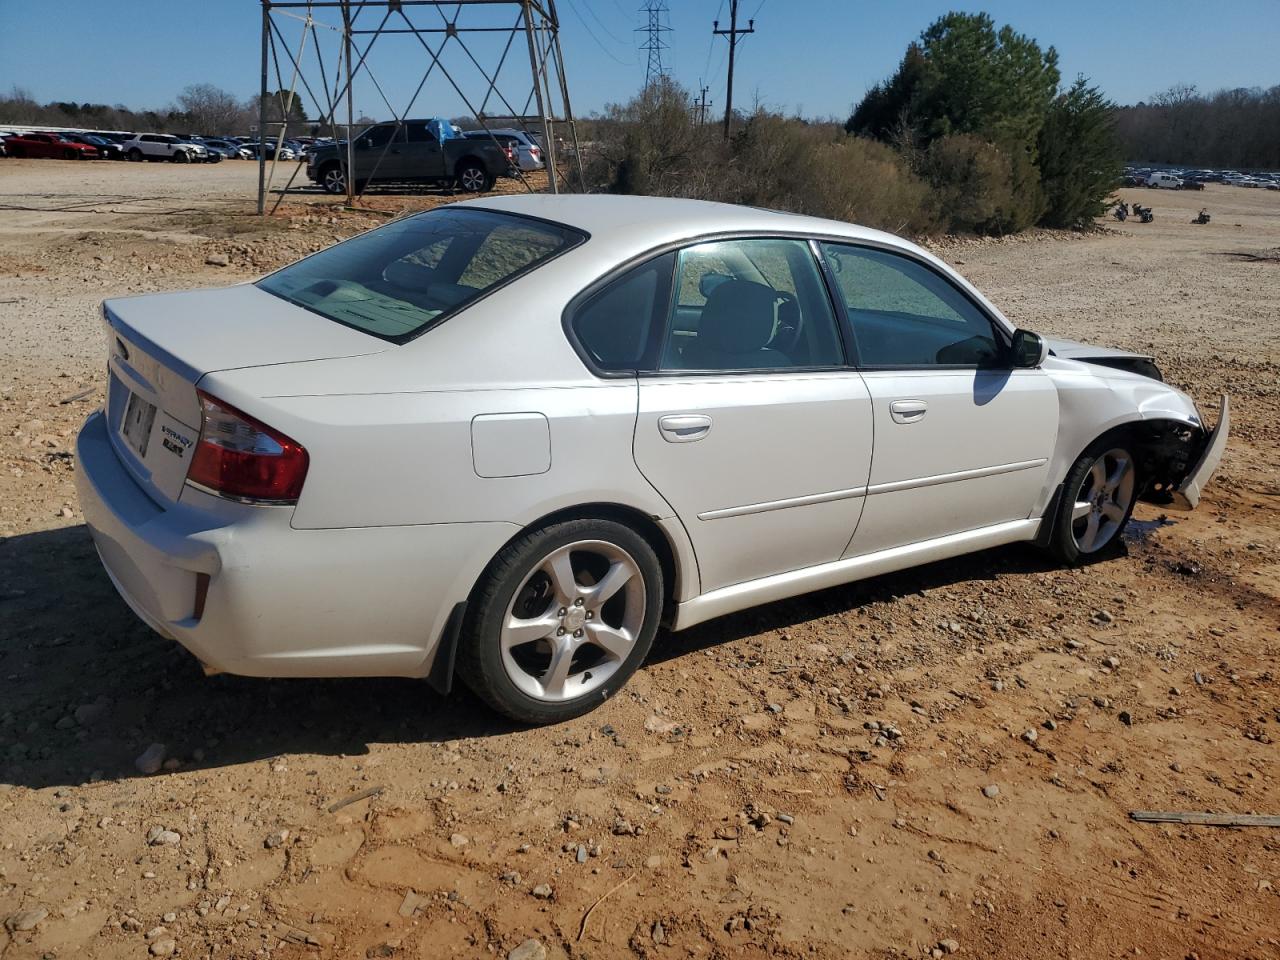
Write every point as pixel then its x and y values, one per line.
pixel 1102 502
pixel 334 181
pixel 573 621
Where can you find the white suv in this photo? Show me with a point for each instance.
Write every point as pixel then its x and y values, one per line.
pixel 163 146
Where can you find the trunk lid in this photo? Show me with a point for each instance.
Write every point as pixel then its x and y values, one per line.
pixel 161 345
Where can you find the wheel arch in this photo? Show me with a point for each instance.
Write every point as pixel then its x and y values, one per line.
pixel 668 539
pixel 470 158
pixel 1165 448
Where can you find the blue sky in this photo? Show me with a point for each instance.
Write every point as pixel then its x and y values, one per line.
pixel 814 56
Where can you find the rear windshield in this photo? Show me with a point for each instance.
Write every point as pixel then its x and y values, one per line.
pixel 396 281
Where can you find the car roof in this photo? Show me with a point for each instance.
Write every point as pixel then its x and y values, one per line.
pixel 647 222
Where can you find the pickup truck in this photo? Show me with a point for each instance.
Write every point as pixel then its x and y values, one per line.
pixel 410 152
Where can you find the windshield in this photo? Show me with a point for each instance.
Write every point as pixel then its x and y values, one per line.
pixel 397 281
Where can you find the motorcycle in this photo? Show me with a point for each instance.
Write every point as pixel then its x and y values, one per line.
pixel 1121 212
pixel 1203 216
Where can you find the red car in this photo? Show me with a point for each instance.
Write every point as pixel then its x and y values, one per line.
pixel 49 145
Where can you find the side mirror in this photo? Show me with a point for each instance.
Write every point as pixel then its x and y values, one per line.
pixel 1028 349
pixel 362 144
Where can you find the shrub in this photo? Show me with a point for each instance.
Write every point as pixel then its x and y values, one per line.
pixel 979 187
pixel 818 170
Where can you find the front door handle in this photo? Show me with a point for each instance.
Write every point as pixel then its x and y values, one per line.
pixel 908 411
pixel 684 427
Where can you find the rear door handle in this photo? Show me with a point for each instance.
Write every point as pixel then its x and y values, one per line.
pixel 908 411
pixel 684 427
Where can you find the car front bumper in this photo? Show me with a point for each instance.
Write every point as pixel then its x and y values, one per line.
pixel 362 601
pixel 1187 496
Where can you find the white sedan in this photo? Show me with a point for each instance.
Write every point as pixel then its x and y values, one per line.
pixel 508 439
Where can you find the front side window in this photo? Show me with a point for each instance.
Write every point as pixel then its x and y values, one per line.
pixel 396 281
pixel 904 314
pixel 378 136
pixel 750 305
pixel 616 325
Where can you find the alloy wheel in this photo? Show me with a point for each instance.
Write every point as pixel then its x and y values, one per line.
pixel 1102 502
pixel 335 181
pixel 472 179
pixel 573 621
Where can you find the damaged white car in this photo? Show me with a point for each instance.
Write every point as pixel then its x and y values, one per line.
pixel 508 439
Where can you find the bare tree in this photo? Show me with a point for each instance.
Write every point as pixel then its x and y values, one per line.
pixel 211 109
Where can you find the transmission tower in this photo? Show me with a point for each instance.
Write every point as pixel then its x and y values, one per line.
pixel 657 24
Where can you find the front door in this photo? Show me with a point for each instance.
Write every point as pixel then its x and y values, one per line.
pixel 751 426
pixel 962 440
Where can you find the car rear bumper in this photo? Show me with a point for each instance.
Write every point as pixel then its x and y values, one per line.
pixel 1188 493
pixel 363 601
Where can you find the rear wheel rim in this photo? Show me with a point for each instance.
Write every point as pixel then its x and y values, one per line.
pixel 472 179
pixel 573 621
pixel 1102 501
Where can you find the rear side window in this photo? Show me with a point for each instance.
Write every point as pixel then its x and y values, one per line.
pixel 398 280
pixel 617 325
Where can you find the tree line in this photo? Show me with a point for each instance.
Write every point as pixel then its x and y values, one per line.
pixel 1229 129
pixel 201 108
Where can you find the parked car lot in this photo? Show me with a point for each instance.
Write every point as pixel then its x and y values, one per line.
pixel 50 146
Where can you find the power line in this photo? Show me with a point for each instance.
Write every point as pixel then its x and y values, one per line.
pixel 733 33
pixel 711 45
pixel 586 26
pixel 654 44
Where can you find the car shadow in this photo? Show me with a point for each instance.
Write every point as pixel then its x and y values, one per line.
pixel 85 688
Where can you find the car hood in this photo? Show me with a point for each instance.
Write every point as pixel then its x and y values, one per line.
pixel 1075 350
pixel 195 332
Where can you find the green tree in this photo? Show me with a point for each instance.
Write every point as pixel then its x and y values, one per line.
pixel 1080 158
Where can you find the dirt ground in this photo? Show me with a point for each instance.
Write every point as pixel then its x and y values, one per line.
pixel 847 774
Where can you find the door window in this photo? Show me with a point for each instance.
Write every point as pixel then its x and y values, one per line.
pixel 904 314
pixel 420 133
pixel 750 305
pixel 615 326
pixel 379 136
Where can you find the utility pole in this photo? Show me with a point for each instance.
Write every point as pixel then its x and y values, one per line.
pixel 702 103
pixel 732 33
pixel 657 25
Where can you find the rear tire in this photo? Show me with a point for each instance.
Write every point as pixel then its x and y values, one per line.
pixel 541 643
pixel 1098 497
pixel 473 178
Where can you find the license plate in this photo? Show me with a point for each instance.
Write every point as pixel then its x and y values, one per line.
pixel 139 415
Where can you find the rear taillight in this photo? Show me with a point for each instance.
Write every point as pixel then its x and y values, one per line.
pixel 238 456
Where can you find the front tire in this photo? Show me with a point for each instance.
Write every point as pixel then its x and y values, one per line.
pixel 561 619
pixel 1098 497
pixel 333 179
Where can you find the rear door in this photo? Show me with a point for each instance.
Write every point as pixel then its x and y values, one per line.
pixel 962 440
pixel 424 157
pixel 752 426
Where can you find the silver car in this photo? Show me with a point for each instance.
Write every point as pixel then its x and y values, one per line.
pixel 508 439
